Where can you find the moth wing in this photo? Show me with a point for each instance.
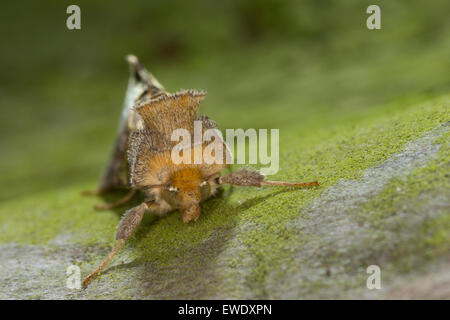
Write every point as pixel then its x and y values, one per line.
pixel 169 112
pixel 213 163
pixel 143 145
pixel 149 154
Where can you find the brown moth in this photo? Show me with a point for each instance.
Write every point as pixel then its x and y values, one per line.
pixel 142 155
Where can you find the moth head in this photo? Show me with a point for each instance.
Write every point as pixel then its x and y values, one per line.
pixel 205 189
pixel 184 190
pixel 171 195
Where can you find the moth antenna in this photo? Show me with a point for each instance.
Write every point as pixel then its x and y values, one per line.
pixel 290 184
pixel 249 177
pixel 105 262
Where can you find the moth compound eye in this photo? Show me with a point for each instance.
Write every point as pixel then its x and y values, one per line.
pixel 171 196
pixel 205 190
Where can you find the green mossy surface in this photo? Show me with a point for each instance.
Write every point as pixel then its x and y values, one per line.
pixel 261 217
pixel 344 98
pixel 348 153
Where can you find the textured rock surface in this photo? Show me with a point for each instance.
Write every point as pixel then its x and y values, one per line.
pixel 328 245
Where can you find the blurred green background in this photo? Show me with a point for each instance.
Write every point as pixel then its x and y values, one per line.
pixel 294 65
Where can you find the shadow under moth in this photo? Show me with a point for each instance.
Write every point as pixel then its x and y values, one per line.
pixel 141 158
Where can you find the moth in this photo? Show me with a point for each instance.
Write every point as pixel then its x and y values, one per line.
pixel 141 158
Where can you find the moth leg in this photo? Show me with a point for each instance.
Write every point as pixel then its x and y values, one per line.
pixel 117 203
pixel 130 220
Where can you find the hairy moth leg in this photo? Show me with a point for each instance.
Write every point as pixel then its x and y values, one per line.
pixel 130 220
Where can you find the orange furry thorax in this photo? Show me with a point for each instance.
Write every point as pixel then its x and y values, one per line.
pixel 187 179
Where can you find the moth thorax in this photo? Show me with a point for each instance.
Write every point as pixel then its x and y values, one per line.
pixel 188 181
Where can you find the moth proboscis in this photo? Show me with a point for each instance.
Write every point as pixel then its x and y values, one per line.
pixel 141 157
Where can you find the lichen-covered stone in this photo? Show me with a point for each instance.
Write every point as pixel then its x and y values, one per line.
pixel 383 200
